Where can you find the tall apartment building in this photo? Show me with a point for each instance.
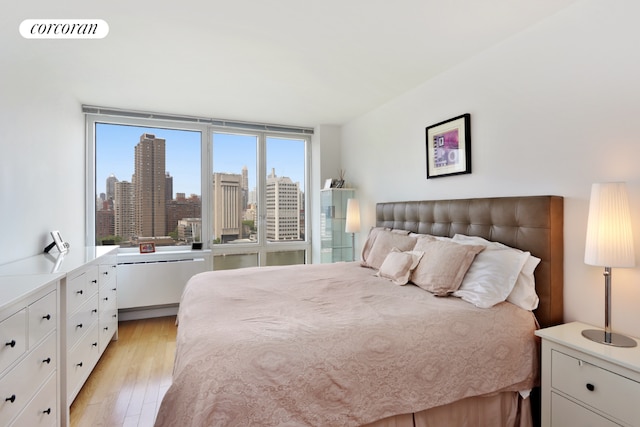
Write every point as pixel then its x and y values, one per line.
pixel 149 181
pixel 111 187
pixel 283 208
pixel 227 206
pixel 124 209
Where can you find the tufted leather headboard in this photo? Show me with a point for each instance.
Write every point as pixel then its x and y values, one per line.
pixel 530 223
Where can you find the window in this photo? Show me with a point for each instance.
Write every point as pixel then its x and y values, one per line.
pixel 147 185
pixel 174 181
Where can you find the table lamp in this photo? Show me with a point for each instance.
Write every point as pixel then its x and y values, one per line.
pixel 609 244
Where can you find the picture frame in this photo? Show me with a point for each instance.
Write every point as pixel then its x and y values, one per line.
pixel 147 247
pixel 449 147
pixel 59 241
pixel 328 184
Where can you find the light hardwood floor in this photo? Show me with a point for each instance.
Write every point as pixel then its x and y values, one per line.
pixel 128 383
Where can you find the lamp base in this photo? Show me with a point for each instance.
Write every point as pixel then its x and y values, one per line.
pixel 615 340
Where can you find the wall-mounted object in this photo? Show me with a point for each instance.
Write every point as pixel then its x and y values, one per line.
pixel 449 147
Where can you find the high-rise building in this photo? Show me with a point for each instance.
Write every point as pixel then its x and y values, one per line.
pixel 227 207
pixel 111 187
pixel 168 189
pixel 124 208
pixel 149 181
pixel 245 187
pixel 283 208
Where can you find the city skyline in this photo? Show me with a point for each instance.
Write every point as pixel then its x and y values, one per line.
pixel 115 156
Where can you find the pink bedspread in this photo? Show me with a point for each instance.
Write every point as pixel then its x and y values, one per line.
pixel 333 345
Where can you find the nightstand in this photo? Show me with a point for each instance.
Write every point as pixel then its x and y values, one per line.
pixel 585 383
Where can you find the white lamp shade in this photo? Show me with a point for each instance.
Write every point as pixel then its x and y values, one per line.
pixel 609 237
pixel 353 216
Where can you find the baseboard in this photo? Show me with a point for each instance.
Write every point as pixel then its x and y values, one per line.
pixel 147 312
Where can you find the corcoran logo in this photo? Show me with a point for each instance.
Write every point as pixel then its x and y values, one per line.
pixel 64 29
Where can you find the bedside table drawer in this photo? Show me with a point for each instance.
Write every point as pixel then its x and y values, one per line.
pixel 566 413
pixel 603 390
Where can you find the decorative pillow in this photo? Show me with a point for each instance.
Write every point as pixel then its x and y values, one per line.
pixel 398 266
pixel 371 238
pixel 522 293
pixel 384 242
pixel 491 277
pixel 419 236
pixel 443 265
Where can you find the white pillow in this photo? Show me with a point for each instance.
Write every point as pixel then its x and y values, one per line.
pixel 397 266
pixel 493 273
pixel 524 292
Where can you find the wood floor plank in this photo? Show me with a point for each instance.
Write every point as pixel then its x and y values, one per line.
pixel 128 383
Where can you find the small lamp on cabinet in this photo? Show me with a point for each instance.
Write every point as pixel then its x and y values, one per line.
pixel 609 244
pixel 353 223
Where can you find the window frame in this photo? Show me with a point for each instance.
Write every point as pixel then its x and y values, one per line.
pixel 206 127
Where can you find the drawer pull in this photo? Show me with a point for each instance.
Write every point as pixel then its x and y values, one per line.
pixel 47 360
pixel 590 387
pixel 106 328
pixel 94 281
pixel 95 344
pixel 95 310
pixel 48 317
pixel 79 325
pixel 79 364
pixel 79 292
pixel 114 289
pixel 106 298
pixel 11 399
pixel 11 343
pixel 115 315
pixel 106 273
pixel 47 411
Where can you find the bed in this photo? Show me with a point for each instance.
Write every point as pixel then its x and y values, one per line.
pixel 348 344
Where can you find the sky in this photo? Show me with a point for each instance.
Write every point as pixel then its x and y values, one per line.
pixel 115 155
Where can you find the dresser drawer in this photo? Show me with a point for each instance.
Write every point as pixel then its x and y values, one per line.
pixel 107 274
pixel 43 408
pixel 13 338
pixel 81 360
pixel 22 382
pixel 566 413
pixel 82 320
pixel 93 279
pixel 599 388
pixel 43 316
pixel 77 291
pixel 108 299
pixel 108 327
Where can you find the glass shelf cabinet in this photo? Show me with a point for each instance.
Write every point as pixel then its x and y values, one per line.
pixel 336 245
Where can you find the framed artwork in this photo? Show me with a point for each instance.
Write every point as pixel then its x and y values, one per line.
pixel 147 248
pixel 59 241
pixel 449 147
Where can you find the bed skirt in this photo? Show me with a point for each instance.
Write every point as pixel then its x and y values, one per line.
pixel 502 409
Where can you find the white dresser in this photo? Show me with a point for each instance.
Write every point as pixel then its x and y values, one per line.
pixel 585 383
pixel 88 311
pixel 29 350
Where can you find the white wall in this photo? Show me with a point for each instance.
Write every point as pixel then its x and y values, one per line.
pixel 553 110
pixel 42 164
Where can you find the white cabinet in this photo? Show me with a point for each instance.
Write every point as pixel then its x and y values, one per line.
pixel 84 310
pixel 587 383
pixel 29 363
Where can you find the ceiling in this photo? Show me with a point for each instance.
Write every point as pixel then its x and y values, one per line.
pixel 295 62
